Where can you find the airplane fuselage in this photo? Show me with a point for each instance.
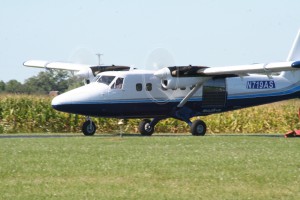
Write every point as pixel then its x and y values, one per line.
pixel 141 95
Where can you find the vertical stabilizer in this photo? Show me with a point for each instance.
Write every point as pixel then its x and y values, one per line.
pixel 294 54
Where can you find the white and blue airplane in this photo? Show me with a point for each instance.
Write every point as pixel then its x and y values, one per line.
pixel 180 92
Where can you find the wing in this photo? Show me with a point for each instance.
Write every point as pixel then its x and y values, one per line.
pixel 55 65
pixel 88 72
pixel 242 70
pixel 228 71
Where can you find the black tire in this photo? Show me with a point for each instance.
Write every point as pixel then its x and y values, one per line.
pixel 88 128
pixel 145 128
pixel 198 128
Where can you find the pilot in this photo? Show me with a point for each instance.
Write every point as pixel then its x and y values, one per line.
pixel 119 83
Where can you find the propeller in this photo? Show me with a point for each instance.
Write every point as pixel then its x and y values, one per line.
pixel 158 59
pixel 83 56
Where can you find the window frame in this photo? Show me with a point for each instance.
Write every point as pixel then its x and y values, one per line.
pixel 148 86
pixel 139 87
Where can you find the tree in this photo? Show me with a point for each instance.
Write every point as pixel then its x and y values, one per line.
pixel 14 86
pixel 51 80
pixel 43 83
pixel 2 86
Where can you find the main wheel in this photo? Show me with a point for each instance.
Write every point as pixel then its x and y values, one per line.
pixel 88 128
pixel 198 128
pixel 145 128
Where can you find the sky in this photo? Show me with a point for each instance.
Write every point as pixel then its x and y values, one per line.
pixel 197 32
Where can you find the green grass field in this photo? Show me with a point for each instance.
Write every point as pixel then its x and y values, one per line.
pixel 157 167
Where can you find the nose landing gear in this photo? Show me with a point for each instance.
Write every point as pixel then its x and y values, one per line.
pixel 88 127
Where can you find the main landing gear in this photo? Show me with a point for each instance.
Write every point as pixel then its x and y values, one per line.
pixel 198 128
pixel 146 127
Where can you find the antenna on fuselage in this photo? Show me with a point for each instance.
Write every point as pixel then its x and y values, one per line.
pixel 99 58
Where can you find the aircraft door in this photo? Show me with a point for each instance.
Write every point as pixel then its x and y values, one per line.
pixel 214 93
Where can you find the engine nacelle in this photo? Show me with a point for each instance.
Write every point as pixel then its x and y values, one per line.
pixel 86 74
pixel 169 81
pixel 174 83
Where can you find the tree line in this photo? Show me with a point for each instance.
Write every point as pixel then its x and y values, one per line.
pixel 43 83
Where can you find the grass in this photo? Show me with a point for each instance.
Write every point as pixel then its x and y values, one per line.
pixel 158 167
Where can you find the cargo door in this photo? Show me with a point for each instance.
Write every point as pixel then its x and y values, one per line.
pixel 214 93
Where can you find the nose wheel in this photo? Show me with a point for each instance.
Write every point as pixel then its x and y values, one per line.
pixel 88 128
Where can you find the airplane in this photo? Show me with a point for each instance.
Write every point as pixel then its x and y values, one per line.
pixel 180 92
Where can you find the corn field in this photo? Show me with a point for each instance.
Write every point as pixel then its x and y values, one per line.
pixel 34 114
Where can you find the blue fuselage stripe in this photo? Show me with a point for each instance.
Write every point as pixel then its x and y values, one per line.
pixel 157 108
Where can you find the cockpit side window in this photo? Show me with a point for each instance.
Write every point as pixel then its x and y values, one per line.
pixel 118 84
pixel 105 79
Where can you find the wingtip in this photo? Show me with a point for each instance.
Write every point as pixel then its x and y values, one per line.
pixel 296 64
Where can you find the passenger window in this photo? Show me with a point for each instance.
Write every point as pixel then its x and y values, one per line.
pixel 149 86
pixel 118 84
pixel 139 87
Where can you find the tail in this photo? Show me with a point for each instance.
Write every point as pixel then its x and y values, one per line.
pixel 294 55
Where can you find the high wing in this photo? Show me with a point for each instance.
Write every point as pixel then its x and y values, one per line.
pixel 228 71
pixel 242 70
pixel 55 65
pixel 88 72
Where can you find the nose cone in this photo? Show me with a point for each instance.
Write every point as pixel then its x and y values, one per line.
pixel 59 101
pixel 73 101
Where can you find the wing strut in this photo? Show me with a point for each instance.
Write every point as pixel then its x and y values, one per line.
pixel 192 92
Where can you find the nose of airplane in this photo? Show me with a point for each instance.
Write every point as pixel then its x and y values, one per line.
pixel 58 101
pixel 72 100
pixel 62 101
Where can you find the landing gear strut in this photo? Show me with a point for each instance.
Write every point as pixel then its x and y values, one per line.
pixel 88 127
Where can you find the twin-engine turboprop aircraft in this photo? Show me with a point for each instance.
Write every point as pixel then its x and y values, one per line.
pixel 180 92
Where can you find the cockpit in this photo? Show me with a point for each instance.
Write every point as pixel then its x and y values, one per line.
pixel 112 81
pixel 105 79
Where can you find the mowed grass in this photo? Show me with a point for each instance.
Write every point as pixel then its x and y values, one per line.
pixel 157 167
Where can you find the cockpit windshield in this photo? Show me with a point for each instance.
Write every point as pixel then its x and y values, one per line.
pixel 105 79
